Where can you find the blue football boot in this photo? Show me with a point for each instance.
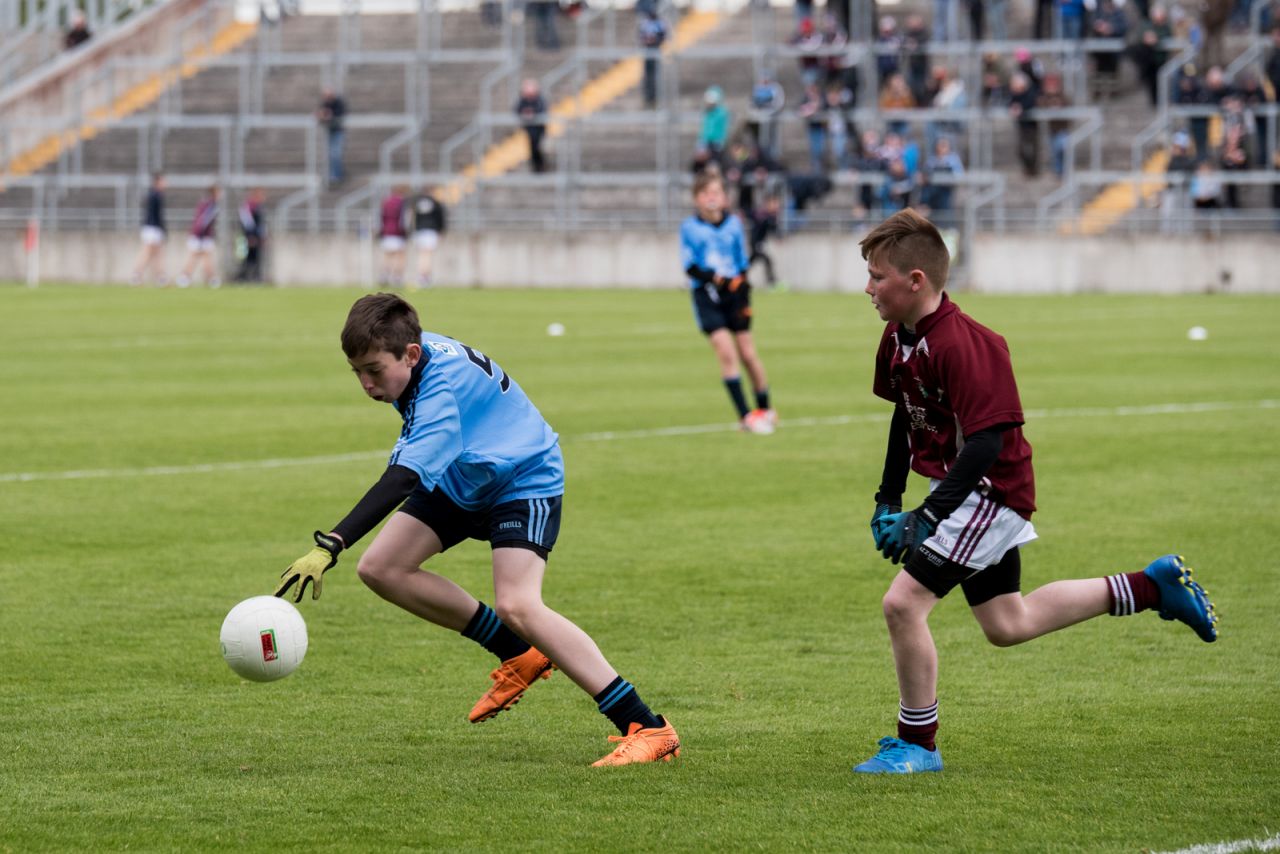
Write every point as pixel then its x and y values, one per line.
pixel 900 757
pixel 1183 599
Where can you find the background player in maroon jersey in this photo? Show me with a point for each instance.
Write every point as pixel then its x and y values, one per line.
pixel 957 420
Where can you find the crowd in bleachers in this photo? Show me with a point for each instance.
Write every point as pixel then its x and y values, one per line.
pixel 898 161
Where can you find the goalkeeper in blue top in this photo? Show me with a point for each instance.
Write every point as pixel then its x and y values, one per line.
pixel 475 459
pixel 713 252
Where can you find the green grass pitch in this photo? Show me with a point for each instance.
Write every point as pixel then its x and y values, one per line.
pixel 731 577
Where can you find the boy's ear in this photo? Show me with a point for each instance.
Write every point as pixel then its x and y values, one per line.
pixel 413 353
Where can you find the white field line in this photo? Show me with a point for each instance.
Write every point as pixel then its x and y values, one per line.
pixel 1271 843
pixel 618 435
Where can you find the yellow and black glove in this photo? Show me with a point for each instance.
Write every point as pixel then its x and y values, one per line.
pixel 311 567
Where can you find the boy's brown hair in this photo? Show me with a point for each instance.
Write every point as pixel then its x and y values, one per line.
pixel 380 322
pixel 907 241
pixel 706 178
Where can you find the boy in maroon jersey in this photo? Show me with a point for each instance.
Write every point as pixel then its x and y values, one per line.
pixel 957 420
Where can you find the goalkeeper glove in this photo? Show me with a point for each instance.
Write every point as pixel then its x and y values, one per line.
pixel 884 507
pixel 311 567
pixel 900 534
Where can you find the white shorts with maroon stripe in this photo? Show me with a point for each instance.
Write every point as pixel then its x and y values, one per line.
pixel 979 532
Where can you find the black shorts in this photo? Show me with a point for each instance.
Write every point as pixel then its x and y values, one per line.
pixel 718 308
pixel 979 585
pixel 526 523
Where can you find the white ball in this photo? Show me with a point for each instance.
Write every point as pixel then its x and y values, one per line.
pixel 555 330
pixel 264 638
pixel 1197 333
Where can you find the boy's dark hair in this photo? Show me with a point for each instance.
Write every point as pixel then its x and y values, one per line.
pixel 380 322
pixel 706 178
pixel 907 241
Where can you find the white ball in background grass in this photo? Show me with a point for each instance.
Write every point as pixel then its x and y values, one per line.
pixel 1197 333
pixel 555 330
pixel 264 638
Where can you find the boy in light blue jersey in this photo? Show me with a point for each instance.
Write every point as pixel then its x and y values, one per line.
pixel 713 253
pixel 475 459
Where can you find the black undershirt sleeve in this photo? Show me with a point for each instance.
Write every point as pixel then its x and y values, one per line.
pixel 897 461
pixel 702 274
pixel 976 457
pixel 395 485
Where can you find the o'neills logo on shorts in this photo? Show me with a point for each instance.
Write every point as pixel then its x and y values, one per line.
pixel 269 645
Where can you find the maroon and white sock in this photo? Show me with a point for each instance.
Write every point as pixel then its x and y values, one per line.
pixel 1132 592
pixel 919 726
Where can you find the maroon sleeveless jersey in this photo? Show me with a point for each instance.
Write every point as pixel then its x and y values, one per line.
pixel 956 380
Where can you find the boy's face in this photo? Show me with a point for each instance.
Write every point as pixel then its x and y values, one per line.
pixel 896 295
pixel 384 377
pixel 710 201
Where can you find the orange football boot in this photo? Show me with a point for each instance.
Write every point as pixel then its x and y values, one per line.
pixel 512 678
pixel 643 745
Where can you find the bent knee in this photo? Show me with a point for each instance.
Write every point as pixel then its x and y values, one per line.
pixel 898 609
pixel 1003 635
pixel 378 573
pixel 516 611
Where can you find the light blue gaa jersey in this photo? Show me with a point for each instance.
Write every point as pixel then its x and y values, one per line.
pixel 472 431
pixel 722 248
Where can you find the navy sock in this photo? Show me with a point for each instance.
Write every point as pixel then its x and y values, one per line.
pixel 491 633
pixel 620 703
pixel 734 386
pixel 762 398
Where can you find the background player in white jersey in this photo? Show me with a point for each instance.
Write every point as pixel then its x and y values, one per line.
pixel 713 253
pixel 958 421
pixel 475 459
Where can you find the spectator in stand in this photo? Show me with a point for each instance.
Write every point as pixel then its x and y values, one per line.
pixel 868 167
pixel 1189 91
pixel 915 49
pixel 1029 65
pixel 1108 22
pixel 1237 144
pixel 715 122
pixel 1213 21
pixel 1148 51
pixel 760 175
pixel 767 101
pixel 1216 87
pixel 834 42
pixel 813 110
pixel 531 109
pixel 998 18
pixel 995 81
pixel 1178 173
pixel 78 33
pixel 1043 26
pixel 808 42
pixel 1206 187
pixel 154 233
pixel 977 19
pixel 544 13
pixel 1273 63
pixel 951 96
pixel 202 245
pixel 651 31
pixel 1022 104
pixel 839 126
pixel 936 197
pixel 944 20
pixel 896 95
pixel 429 223
pixel 1053 98
pixel 1071 15
pixel 391 237
pixel 253 229
pixel 888 45
pixel 898 189
pixel 332 115
pixel 1254 98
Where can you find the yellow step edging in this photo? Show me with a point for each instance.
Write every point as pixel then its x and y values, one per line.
pixel 138 97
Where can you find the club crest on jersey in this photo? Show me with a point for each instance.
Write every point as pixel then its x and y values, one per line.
pixel 442 347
